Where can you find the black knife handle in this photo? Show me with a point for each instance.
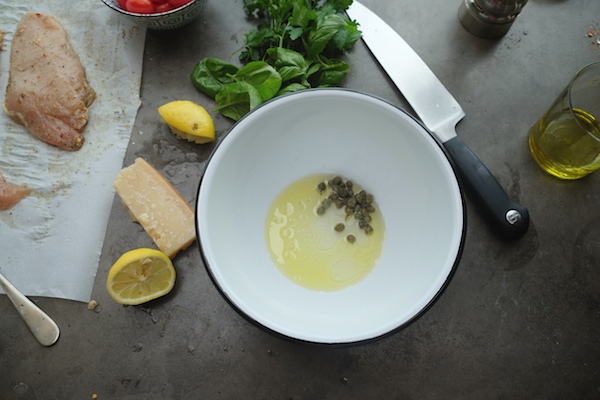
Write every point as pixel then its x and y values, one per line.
pixel 509 219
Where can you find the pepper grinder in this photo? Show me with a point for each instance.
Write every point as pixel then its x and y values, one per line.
pixel 489 19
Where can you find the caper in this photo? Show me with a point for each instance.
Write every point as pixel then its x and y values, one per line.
pixel 343 192
pixel 334 188
pixel 321 187
pixel 361 196
pixel 359 205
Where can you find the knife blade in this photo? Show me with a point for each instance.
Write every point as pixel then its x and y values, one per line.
pixel 440 113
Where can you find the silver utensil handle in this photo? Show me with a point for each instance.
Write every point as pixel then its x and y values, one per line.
pixel 43 328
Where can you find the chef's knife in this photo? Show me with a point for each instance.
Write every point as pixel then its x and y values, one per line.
pixel 440 113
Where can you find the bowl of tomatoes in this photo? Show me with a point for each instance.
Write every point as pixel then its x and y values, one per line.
pixel 158 14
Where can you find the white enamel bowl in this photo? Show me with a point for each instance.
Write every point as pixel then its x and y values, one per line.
pixel 362 138
pixel 162 21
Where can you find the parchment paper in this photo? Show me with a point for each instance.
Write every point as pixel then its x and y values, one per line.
pixel 50 242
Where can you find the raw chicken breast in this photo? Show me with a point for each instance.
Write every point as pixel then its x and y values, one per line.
pixel 11 194
pixel 47 88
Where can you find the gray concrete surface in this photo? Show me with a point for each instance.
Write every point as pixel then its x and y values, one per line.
pixel 519 320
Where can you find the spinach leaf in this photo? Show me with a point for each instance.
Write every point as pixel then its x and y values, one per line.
pixel 290 64
pixel 345 38
pixel 332 72
pixel 292 87
pixel 327 27
pixel 237 99
pixel 211 75
pixel 262 76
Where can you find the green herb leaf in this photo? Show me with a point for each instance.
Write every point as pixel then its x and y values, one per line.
pixel 257 42
pixel 296 45
pixel 332 72
pixel 262 76
pixel 292 87
pixel 345 38
pixel 237 99
pixel 327 28
pixel 211 75
pixel 302 16
pixel 289 63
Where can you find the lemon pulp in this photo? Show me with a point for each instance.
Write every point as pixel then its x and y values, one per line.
pixel 139 276
pixel 307 249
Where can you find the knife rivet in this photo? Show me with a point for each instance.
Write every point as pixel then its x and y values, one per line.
pixel 513 217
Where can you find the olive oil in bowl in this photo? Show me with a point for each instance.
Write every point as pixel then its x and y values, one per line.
pixel 321 248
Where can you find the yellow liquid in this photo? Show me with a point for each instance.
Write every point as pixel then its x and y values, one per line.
pixel 305 246
pixel 563 148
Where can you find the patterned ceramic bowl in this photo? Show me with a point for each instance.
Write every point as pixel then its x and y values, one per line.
pixel 162 21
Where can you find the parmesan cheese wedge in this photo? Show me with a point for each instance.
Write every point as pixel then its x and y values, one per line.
pixel 153 202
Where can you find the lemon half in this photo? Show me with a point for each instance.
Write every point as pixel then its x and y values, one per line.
pixel 188 120
pixel 139 276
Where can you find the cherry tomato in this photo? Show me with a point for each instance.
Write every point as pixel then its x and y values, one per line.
pixel 122 4
pixel 163 7
pixel 178 3
pixel 140 6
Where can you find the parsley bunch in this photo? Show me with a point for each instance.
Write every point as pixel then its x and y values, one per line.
pixel 295 46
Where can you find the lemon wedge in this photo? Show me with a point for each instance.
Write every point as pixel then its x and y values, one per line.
pixel 188 120
pixel 139 276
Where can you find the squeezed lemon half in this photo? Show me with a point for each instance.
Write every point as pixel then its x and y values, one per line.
pixel 139 276
pixel 188 120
